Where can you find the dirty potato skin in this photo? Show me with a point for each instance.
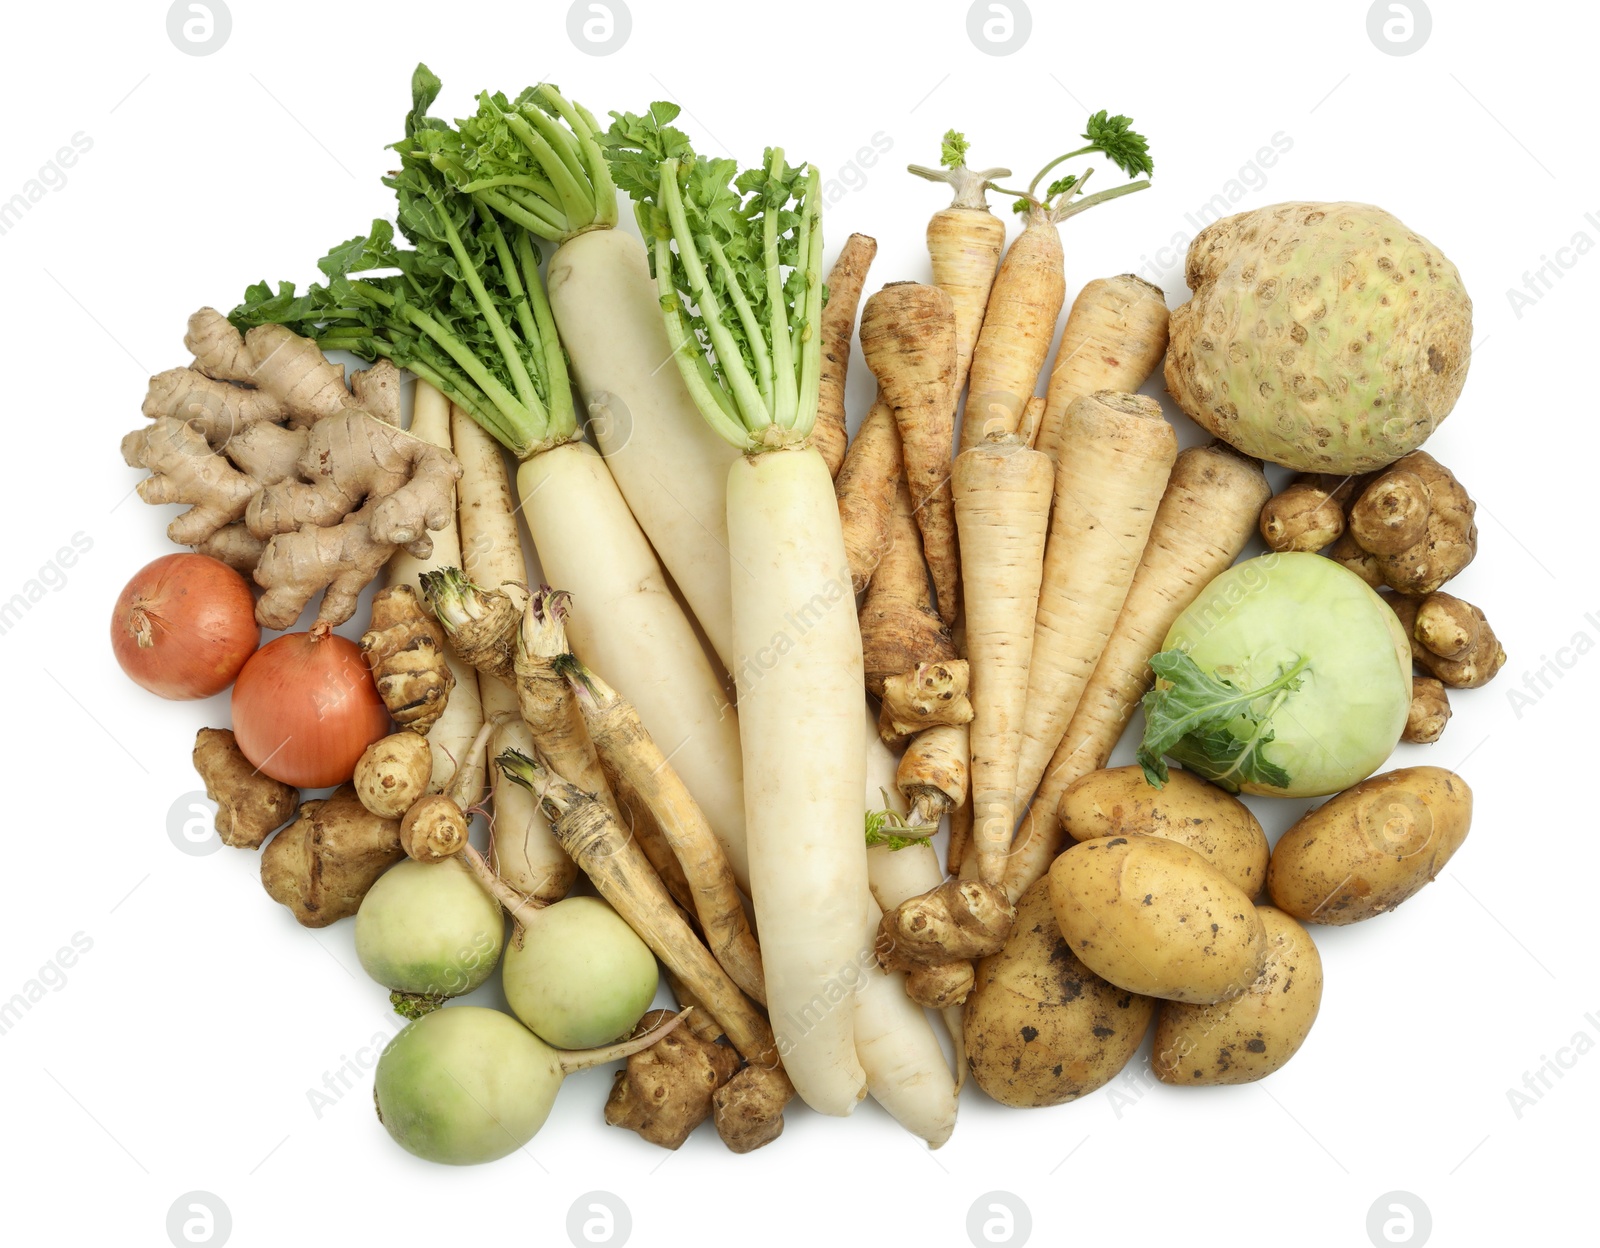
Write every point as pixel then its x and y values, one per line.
pixel 1255 1033
pixel 1190 810
pixel 1371 847
pixel 1041 1027
pixel 1154 917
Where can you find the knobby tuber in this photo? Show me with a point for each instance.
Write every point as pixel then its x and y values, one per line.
pixel 1450 639
pixel 959 920
pixel 930 695
pixel 392 773
pixel 1413 523
pixel 1308 514
pixel 1430 711
pixel 323 863
pixel 405 650
pixel 250 806
pixel 666 1091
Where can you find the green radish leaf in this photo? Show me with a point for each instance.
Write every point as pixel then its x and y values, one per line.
pixel 1190 714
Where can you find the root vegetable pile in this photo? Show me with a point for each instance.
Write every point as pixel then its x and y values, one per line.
pixel 763 666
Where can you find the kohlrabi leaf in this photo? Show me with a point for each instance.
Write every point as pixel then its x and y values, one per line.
pixel 1193 715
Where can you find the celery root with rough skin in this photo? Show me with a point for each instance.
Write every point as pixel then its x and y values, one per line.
pixel 845 280
pixel 964 243
pixel 1115 336
pixel 1206 517
pixel 747 347
pixel 908 335
pixel 1002 493
pixel 866 486
pixel 1117 451
pixel 627 753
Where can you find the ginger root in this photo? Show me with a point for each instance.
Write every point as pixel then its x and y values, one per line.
pixel 1450 639
pixel 1308 515
pixel 1430 711
pixel 323 863
pixel 404 647
pixel 956 922
pixel 666 1091
pixel 250 806
pixel 929 695
pixel 286 472
pixel 1412 527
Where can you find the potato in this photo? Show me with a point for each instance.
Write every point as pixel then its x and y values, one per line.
pixel 1189 810
pixel 1255 1033
pixel 1154 917
pixel 1368 849
pixel 1041 1027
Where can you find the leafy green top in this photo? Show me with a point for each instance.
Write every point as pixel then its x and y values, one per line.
pixel 886 827
pixel 1195 717
pixel 535 161
pixel 1108 136
pixel 737 258
pixel 1116 138
pixel 953 151
pixel 462 307
pixel 970 185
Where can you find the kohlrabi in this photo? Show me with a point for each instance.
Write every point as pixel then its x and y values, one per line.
pixel 1287 676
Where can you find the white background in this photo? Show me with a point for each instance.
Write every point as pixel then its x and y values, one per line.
pixel 179 1053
